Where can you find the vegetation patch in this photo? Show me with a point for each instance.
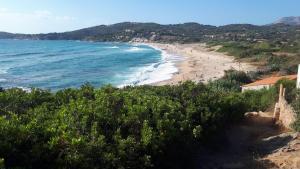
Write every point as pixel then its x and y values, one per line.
pixel 133 127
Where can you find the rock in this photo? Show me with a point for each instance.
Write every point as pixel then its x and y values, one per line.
pixel 251 114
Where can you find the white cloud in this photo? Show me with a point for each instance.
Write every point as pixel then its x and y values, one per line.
pixel 44 14
pixel 40 21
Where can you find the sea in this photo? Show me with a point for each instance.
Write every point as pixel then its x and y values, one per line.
pixel 55 65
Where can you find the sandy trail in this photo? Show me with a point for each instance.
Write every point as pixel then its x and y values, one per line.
pixel 244 146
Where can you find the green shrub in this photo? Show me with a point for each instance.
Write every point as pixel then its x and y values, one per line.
pixel 2 163
pixel 133 127
pixel 296 107
pixel 290 86
pixel 232 81
pixel 260 100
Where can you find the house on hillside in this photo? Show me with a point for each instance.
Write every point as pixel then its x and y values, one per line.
pixel 267 82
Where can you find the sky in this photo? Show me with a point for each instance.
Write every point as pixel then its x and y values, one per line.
pixel 44 16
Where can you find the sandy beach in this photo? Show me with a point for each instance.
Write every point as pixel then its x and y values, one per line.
pixel 199 63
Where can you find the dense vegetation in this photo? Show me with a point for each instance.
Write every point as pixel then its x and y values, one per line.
pixel 273 56
pixel 275 48
pixel 134 127
pixel 296 106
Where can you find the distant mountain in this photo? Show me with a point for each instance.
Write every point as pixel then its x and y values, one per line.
pixel 5 35
pixel 289 20
pixel 182 33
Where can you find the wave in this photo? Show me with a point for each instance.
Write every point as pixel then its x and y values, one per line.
pixel 135 49
pixel 3 70
pixel 112 47
pixel 23 54
pixel 26 89
pixel 3 80
pixel 157 72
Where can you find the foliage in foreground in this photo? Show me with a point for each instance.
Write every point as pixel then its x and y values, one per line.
pixel 296 107
pixel 109 128
pixel 134 127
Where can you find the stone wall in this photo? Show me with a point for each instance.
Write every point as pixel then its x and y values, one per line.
pixel 284 112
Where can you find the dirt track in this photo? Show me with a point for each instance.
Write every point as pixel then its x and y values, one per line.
pixel 245 145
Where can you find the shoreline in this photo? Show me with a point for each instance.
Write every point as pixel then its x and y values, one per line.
pixel 183 62
pixel 197 63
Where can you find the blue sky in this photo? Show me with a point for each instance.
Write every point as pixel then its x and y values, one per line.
pixel 41 16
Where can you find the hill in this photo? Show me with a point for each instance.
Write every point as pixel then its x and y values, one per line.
pixel 128 31
pixel 183 33
pixel 5 35
pixel 293 20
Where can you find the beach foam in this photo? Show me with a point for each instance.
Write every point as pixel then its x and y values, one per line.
pixel 157 72
pixel 135 49
pixel 3 80
pixel 113 47
pixel 26 89
pixel 3 70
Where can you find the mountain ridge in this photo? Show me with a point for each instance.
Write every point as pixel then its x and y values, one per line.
pixel 154 32
pixel 292 20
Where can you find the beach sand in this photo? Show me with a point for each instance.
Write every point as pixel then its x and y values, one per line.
pixel 199 63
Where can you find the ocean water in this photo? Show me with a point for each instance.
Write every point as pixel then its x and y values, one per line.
pixel 57 65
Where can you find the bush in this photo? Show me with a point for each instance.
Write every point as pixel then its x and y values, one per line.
pixel 232 81
pixel 2 163
pixel 290 89
pixel 134 127
pixel 296 107
pixel 264 99
pixel 261 100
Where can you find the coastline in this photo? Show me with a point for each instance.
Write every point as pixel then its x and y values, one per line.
pixel 179 63
pixel 198 63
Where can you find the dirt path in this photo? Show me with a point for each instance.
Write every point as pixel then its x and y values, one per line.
pixel 245 145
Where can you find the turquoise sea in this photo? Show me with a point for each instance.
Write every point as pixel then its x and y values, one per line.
pixel 57 65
